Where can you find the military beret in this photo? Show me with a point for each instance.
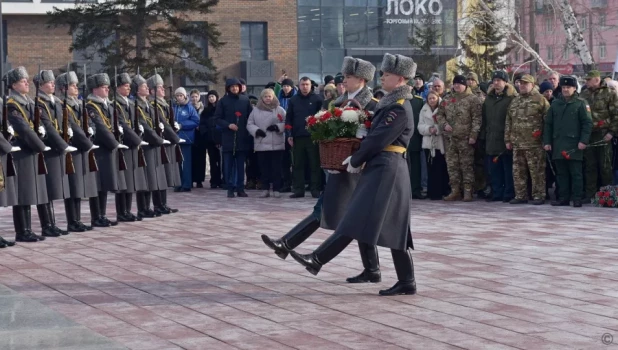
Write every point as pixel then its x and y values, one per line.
pixel 43 77
pixel 122 79
pixel 97 80
pixel 358 68
pixel 339 78
pixel 568 81
pixel 398 65
pixel 66 79
pixel 472 76
pixel 527 78
pixel 500 74
pixel 154 80
pixel 460 79
pixel 16 74
pixel 593 74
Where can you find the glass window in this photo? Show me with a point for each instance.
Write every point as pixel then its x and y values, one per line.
pixel 550 53
pixel 602 20
pixel 355 26
pixel 315 3
pixel 602 50
pixel 584 23
pixel 310 60
pixel 549 24
pixel 332 60
pixel 308 31
pixel 356 3
pixel 332 28
pixel 253 41
pixel 566 52
pixel 332 3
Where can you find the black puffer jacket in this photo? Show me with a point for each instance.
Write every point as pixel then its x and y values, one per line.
pixel 208 128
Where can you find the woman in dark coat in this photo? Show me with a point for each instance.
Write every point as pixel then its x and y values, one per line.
pixel 211 137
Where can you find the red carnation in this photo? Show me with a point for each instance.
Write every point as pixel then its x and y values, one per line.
pixel 312 121
pixel 238 114
pixel 568 156
pixel 564 154
pixel 610 203
pixel 338 112
pixel 280 117
pixel 453 100
pixel 536 134
pixel 443 103
pixel 367 124
pixel 607 194
pixel 288 127
pixel 495 160
pixel 601 123
pixel 602 201
pixel 326 116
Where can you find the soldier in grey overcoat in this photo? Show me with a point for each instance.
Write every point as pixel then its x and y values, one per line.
pixel 8 195
pixel 172 170
pixel 384 182
pixel 30 182
pixel 55 159
pixel 134 176
pixel 109 178
pixel 340 186
pixel 83 183
pixel 155 171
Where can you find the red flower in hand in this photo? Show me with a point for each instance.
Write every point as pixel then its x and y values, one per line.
pixel 288 127
pixel 565 154
pixel 453 100
pixel 338 112
pixel 280 117
pixel 238 114
pixel 601 123
pixel 536 134
pixel 495 160
pixel 367 124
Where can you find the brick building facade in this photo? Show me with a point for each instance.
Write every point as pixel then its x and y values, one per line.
pixel 243 23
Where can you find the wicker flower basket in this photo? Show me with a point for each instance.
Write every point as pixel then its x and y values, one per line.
pixel 334 152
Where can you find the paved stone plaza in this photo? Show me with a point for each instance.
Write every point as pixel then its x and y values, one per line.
pixel 490 276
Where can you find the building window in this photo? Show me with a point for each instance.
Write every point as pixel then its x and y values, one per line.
pixel 549 24
pixel 5 41
pixel 550 53
pixel 602 20
pixel 583 23
pixel 253 41
pixel 516 56
pixel 566 52
pixel 200 41
pixel 602 50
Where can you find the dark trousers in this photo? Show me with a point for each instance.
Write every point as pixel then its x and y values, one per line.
pixel 286 166
pixel 270 169
pixel 414 166
pixel 186 170
pixel 198 161
pixel 235 170
pixel 437 175
pixel 214 155
pixel 570 178
pixel 502 176
pixel 304 151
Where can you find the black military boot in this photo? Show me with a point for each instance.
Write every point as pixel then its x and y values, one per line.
pixel 157 202
pixel 95 213
pixel 4 243
pixel 52 216
pixel 78 214
pixel 371 264
pixel 28 214
pixel 150 199
pixel 22 234
pixel 404 267
pixel 294 237
pixel 120 208
pixel 164 202
pixel 72 225
pixel 326 252
pixel 46 221
pixel 143 203
pixel 128 203
pixel 103 209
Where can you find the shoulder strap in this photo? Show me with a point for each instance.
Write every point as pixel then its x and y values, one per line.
pixel 21 110
pixel 103 117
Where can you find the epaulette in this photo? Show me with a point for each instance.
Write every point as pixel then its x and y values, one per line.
pixel 401 101
pixel 375 99
pixel 417 96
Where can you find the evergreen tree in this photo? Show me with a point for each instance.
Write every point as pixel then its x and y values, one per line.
pixel 425 36
pixel 481 46
pixel 144 34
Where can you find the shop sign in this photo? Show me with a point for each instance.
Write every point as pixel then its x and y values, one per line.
pixel 414 8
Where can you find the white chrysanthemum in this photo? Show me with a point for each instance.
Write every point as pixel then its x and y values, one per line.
pixel 319 115
pixel 350 116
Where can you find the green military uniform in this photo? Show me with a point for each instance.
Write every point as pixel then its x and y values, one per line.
pixel 524 128
pixel 604 109
pixel 415 148
pixel 567 123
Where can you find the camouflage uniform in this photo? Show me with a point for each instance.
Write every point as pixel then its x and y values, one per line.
pixel 480 174
pixel 524 128
pixel 604 109
pixel 462 111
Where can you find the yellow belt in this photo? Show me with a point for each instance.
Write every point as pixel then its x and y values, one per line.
pixel 396 149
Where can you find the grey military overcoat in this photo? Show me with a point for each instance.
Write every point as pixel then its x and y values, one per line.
pixel 172 169
pixel 135 176
pixel 82 184
pixel 155 170
pixel 8 197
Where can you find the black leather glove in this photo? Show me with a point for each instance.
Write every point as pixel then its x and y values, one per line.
pixel 260 133
pixel 273 127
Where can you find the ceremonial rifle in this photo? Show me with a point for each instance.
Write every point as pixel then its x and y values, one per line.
pixel 37 123
pixel 141 157
pixel 92 160
pixel 122 164
pixel 70 167
pixel 157 121
pixel 10 165
pixel 179 156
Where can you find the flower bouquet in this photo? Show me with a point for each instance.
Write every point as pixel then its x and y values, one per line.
pixel 567 154
pixel 606 197
pixel 336 130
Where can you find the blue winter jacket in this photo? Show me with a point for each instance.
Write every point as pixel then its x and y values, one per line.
pixel 234 109
pixel 187 117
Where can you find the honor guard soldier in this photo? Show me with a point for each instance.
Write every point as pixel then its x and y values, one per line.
pixel 109 177
pixel 8 192
pixel 29 164
pixel 172 170
pixel 134 175
pixel 384 182
pixel 155 171
pixel 55 159
pixel 567 132
pixel 82 183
